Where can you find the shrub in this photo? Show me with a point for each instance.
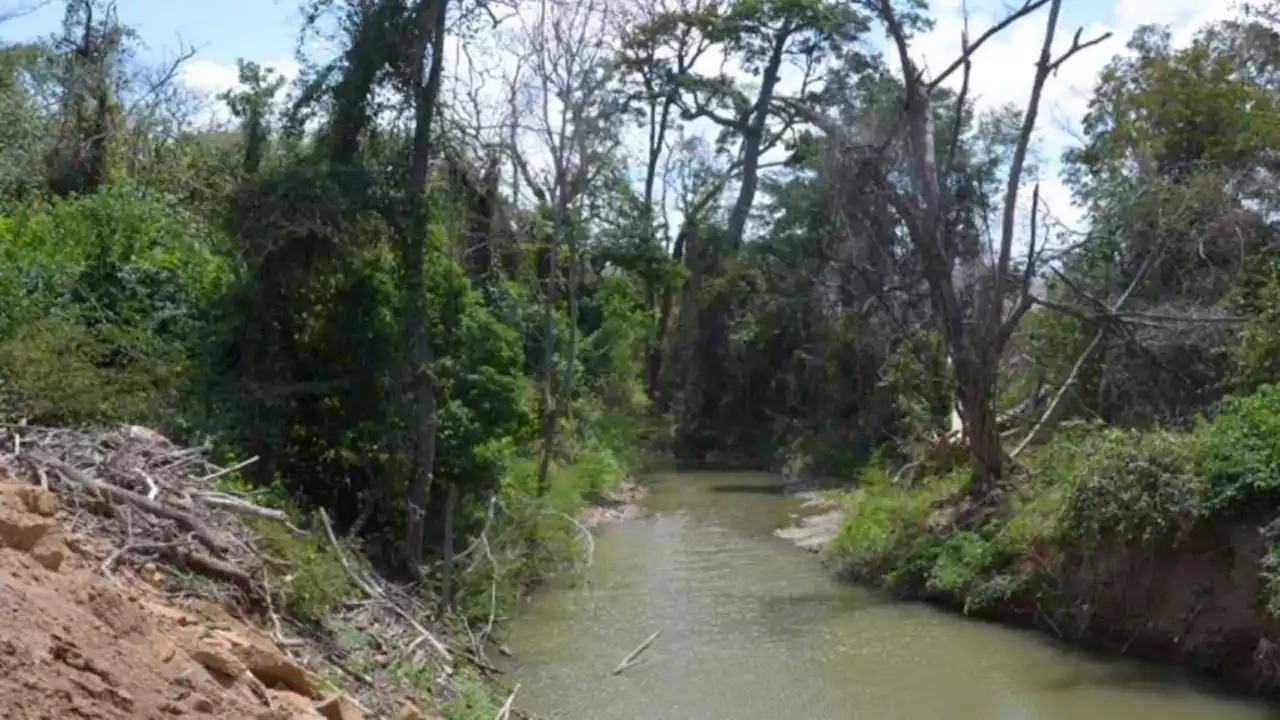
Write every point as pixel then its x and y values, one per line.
pixel 313 577
pixel 1129 484
pixel 884 519
pixel 471 701
pixel 1242 453
pixel 101 298
pixel 977 568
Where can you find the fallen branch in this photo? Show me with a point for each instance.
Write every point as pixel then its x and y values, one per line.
pixel 348 670
pixel 244 507
pixel 1084 356
pixel 185 520
pixel 114 557
pixel 630 660
pixel 584 533
pixel 227 471
pixel 210 567
pixel 377 594
pixel 505 711
pixel 153 488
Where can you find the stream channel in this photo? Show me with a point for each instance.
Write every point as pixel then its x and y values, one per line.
pixel 756 629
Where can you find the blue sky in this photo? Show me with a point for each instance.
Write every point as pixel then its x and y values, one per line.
pixel 223 29
pixel 266 31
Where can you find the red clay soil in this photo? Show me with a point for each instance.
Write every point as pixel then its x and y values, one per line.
pixel 75 644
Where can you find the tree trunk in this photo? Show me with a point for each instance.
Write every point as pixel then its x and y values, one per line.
pixel 548 418
pixel 571 343
pixel 657 353
pixel 431 29
pixel 982 430
pixel 446 582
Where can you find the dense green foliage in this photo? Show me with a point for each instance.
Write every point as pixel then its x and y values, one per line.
pixel 253 290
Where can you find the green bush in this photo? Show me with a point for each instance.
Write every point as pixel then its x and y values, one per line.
pixel 1242 453
pixel 884 519
pixel 977 568
pixel 471 700
pixel 305 566
pixel 1130 484
pixel 101 301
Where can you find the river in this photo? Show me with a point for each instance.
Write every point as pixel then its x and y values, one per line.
pixel 755 629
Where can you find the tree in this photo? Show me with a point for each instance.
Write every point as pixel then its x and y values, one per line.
pixel 252 107
pixel 763 39
pixel 659 47
pixel 975 345
pixel 429 34
pixel 562 86
pixel 87 154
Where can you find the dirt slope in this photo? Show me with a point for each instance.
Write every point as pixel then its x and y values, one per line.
pixel 84 636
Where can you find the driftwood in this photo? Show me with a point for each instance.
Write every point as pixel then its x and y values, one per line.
pixel 119 494
pixel 632 658
pixel 505 711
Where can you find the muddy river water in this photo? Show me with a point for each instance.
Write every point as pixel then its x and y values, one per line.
pixel 753 628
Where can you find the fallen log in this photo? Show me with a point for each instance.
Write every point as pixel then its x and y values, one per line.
pixel 142 502
pixel 244 507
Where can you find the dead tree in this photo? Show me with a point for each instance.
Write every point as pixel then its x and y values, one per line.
pixel 559 109
pixel 975 343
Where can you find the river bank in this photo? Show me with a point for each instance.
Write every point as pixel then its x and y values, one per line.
pixel 616 505
pixel 1151 545
pixel 751 629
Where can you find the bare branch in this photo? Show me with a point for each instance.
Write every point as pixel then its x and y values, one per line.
pixel 1027 8
pixel 1077 46
pixel 1084 356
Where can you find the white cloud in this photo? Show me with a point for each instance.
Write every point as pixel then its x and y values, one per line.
pixel 209 78
pixel 1003 68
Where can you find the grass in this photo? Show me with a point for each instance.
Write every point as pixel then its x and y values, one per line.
pixel 311 574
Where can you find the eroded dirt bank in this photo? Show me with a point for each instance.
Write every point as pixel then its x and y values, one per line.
pixel 1197 603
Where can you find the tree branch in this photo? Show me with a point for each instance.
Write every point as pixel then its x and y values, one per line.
pixel 1028 7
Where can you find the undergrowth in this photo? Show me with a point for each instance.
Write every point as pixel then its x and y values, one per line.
pixel 1085 490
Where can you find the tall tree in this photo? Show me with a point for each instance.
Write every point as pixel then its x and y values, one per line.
pixel 562 109
pixel 766 40
pixel 426 67
pixel 975 344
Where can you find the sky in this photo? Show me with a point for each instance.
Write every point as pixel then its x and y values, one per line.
pixel 266 31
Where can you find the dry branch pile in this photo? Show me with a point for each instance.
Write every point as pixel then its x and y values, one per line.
pixel 136 500
pixel 152 498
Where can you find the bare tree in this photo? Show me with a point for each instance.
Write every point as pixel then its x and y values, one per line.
pixel 561 116
pixel 975 344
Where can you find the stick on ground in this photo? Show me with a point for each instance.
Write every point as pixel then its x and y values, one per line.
pixel 375 593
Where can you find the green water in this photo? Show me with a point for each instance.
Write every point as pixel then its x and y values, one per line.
pixel 755 629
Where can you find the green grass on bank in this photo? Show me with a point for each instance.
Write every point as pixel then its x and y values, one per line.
pixel 1085 489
